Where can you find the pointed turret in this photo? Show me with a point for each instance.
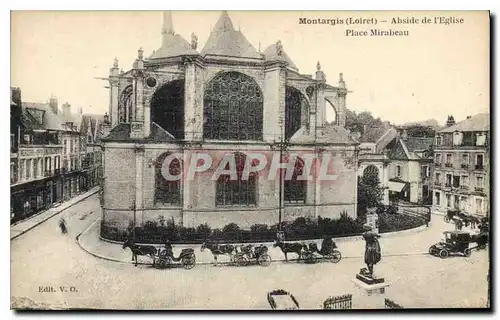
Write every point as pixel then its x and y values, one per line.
pixel 224 40
pixel 341 80
pixel 275 52
pixel 172 44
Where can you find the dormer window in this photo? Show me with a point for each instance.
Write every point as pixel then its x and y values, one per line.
pixel 457 138
pixel 480 139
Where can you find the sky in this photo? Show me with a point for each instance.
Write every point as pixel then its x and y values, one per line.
pixel 436 71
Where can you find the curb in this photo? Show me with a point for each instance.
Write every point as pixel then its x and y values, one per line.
pixel 220 263
pixel 52 215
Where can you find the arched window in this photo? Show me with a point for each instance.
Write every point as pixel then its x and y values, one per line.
pixel 167 108
pixel 125 108
pixel 295 190
pixel 233 108
pixel 241 191
pixel 371 170
pixel 295 111
pixel 167 191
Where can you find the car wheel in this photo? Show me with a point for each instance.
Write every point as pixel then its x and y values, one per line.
pixel 467 252
pixel 432 250
pixel 443 253
pixel 264 260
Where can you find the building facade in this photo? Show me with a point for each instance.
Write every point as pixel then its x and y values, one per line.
pixel 461 166
pixel 42 139
pixel 228 99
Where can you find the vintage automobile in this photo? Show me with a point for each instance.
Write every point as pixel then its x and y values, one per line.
pixel 454 242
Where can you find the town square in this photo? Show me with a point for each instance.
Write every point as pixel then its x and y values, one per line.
pixel 230 167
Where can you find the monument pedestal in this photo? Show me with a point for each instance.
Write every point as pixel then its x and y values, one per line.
pixel 370 284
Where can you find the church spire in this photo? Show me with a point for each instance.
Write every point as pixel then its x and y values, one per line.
pixel 224 23
pixel 168 26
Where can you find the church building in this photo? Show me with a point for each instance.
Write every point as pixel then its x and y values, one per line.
pixel 227 98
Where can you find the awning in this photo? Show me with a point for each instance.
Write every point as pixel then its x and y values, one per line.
pixel 396 186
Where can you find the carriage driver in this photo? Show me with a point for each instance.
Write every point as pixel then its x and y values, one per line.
pixel 168 248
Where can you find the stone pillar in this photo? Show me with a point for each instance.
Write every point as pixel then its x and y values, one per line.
pixel 139 167
pixel 320 106
pixel 193 100
pixel 274 103
pixel 113 94
pixel 137 121
pixel 341 112
pixel 187 186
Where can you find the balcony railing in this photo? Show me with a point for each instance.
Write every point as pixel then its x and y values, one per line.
pixel 479 189
pixel 464 166
pixel 448 165
pixel 437 164
pixel 479 167
pixel 448 185
pixel 464 187
pixel 47 173
pixel 436 183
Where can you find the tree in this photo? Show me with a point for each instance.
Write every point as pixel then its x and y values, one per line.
pixel 357 122
pixel 369 192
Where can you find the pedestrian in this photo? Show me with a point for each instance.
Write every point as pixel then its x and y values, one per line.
pixel 62 225
pixel 459 225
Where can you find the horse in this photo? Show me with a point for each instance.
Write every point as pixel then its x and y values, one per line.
pixel 218 249
pixel 290 247
pixel 480 239
pixel 138 250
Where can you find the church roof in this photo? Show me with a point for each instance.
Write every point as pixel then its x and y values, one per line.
pixel 332 134
pixel 224 40
pixel 271 54
pixel 172 44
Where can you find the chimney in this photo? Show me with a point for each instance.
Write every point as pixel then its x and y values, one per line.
pixel 80 110
pixel 53 104
pixel 450 122
pixel 404 135
pixel 16 96
pixel 66 109
pixel 468 117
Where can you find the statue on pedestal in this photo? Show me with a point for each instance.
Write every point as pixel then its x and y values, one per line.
pixel 372 250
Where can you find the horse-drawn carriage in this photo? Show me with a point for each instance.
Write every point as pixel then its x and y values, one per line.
pixel 248 253
pixel 240 255
pixel 282 300
pixel 467 219
pixel 457 242
pixel 312 254
pixel 162 258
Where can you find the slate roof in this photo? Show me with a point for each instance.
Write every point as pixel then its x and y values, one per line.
pixel 418 144
pixel 373 134
pixel 224 40
pixel 479 122
pixel 271 54
pixel 51 121
pixel 121 132
pixel 29 122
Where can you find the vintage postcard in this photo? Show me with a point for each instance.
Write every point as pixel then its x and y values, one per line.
pixel 250 160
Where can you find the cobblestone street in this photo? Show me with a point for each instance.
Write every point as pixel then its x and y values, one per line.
pixel 416 280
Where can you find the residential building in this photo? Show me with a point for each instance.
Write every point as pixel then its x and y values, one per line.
pixel 373 154
pixel 410 169
pixel 46 156
pixel 461 166
pixel 227 99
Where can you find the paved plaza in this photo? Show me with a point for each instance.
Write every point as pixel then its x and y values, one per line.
pixel 43 257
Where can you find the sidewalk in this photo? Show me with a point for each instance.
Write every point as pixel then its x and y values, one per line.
pixel 405 244
pixel 24 226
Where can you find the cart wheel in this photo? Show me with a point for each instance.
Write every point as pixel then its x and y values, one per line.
pixel 264 260
pixel 443 253
pixel 335 256
pixel 308 257
pixel 188 263
pixel 467 252
pixel 481 247
pixel 240 260
pixel 162 263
